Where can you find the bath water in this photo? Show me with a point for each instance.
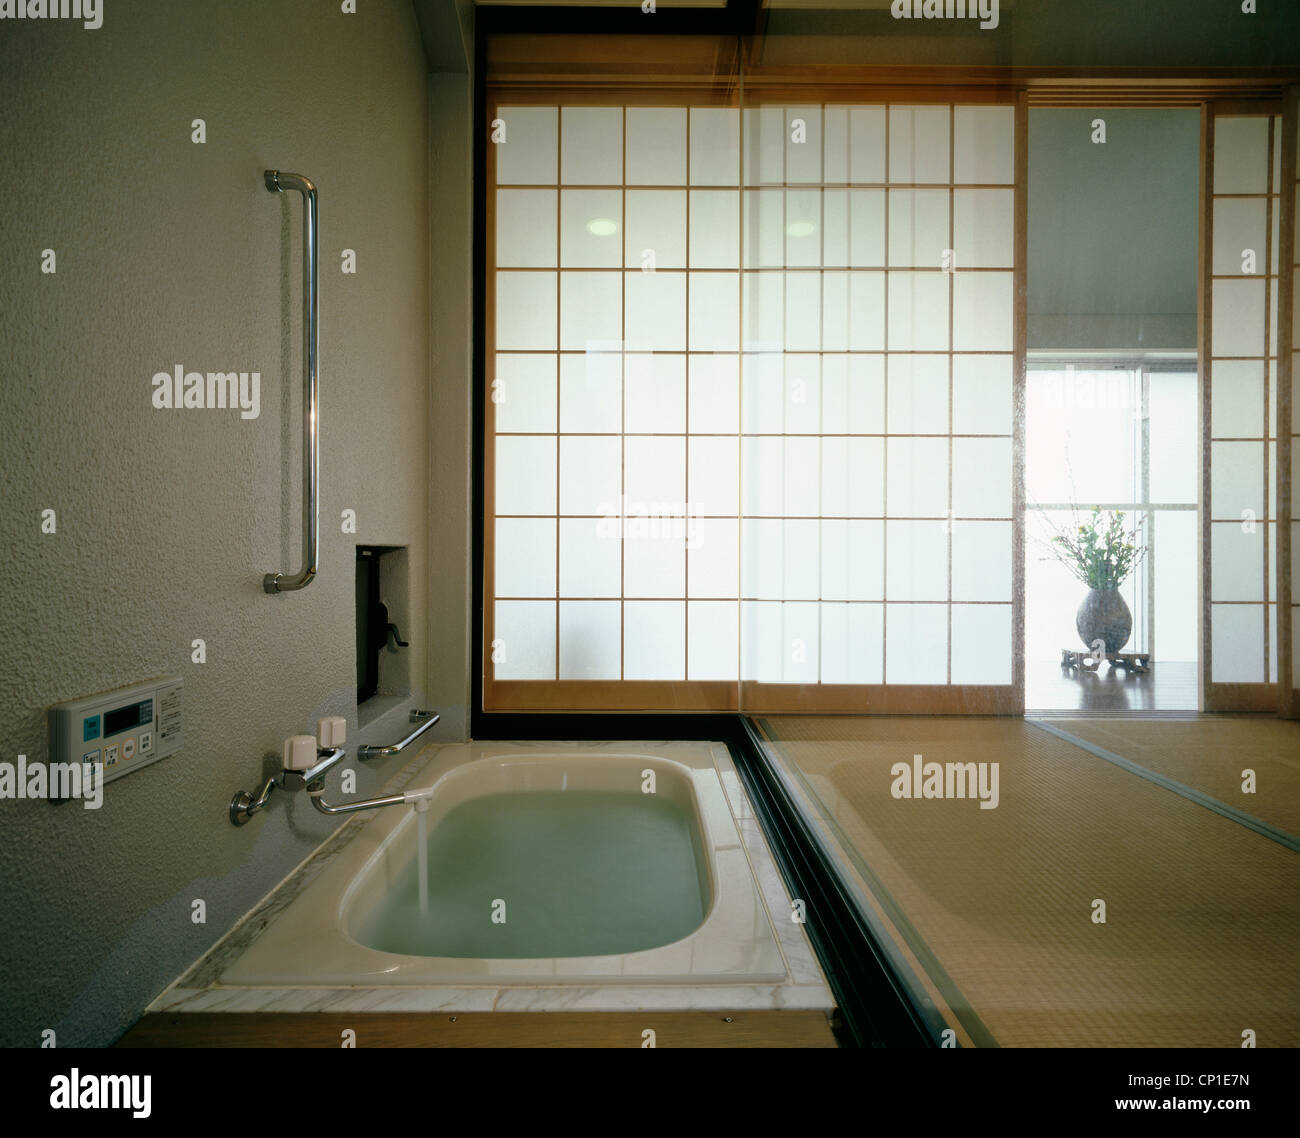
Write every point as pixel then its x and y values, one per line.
pixel 580 873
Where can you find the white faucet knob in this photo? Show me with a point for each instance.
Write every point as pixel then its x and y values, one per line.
pixel 299 752
pixel 332 731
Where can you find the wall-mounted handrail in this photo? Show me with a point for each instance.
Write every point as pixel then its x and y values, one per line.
pixel 277 181
pixel 425 719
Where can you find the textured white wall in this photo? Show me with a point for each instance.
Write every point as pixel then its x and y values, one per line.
pixel 174 253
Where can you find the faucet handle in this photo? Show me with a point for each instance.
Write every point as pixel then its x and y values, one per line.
pixel 299 753
pixel 332 731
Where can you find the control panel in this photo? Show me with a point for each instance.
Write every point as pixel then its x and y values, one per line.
pixel 124 730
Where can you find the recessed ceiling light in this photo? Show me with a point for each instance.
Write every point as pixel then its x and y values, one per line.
pixel 801 229
pixel 602 227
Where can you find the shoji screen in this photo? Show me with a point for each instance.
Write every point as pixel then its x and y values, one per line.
pixel 880 467
pixel 752 389
pixel 1244 394
pixel 1289 353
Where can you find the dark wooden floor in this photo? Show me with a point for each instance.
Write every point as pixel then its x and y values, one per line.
pixel 1167 687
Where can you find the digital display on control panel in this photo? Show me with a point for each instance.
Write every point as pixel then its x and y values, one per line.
pixel 125 718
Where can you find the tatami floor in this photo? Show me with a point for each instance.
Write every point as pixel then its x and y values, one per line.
pixel 998 910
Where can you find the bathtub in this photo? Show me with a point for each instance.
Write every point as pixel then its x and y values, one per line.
pixel 657 887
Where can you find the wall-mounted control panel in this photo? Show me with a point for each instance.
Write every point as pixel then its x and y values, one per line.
pixel 124 730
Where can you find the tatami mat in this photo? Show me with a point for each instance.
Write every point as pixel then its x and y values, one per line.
pixel 1202 915
pixel 1211 754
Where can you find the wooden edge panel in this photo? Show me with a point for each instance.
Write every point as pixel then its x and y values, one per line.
pixel 481 1029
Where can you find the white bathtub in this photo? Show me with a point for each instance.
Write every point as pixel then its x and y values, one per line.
pixel 317 939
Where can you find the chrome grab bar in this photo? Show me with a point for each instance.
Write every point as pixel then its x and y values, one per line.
pixel 277 182
pixel 425 719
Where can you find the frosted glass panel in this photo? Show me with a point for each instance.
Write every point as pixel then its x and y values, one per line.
pixel 524 557
pixel 654 394
pixel 1237 399
pixel 654 640
pixel 984 145
pixel 528 154
pixel 853 560
pixel 656 472
pixel 714 475
pixel 865 314
pixel 852 639
pixel 714 558
pixel 591 146
pixel 982 318
pixel 762 558
pixel 525 475
pixel 764 229
pixel 981 561
pixel 802 485
pixel 591 228
pixel 1173 461
pixel 1236 480
pixel 714 393
pixel 983 223
pixel 918 477
pixel 918 227
pixel 654 557
pixel 591 393
pixel 1240 155
pixel 916 644
pixel 764 145
pixel 981 644
pixel 655 311
pixel 764 311
pixel 715 146
pixel 523 640
pixel 713 633
pixel 1238 226
pixel 852 483
pixel 866 229
pixel 918 144
pixel 981 478
pixel 916 561
pixel 590 311
pixel 981 395
pixel 656 229
pixel 1238 632
pixel 714 229
pixel 590 475
pixel 1177 539
pixel 866 144
pixel 1237 563
pixel 817 228
pixel 525 311
pixel 918 311
pixel 853 394
pixel 589 640
pixel 1238 320
pixel 523 393
pixel 801 558
pixel 656 146
pixel 525 228
pixel 918 395
pixel 762 484
pixel 803 318
pixel 590 557
pixel 715 312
